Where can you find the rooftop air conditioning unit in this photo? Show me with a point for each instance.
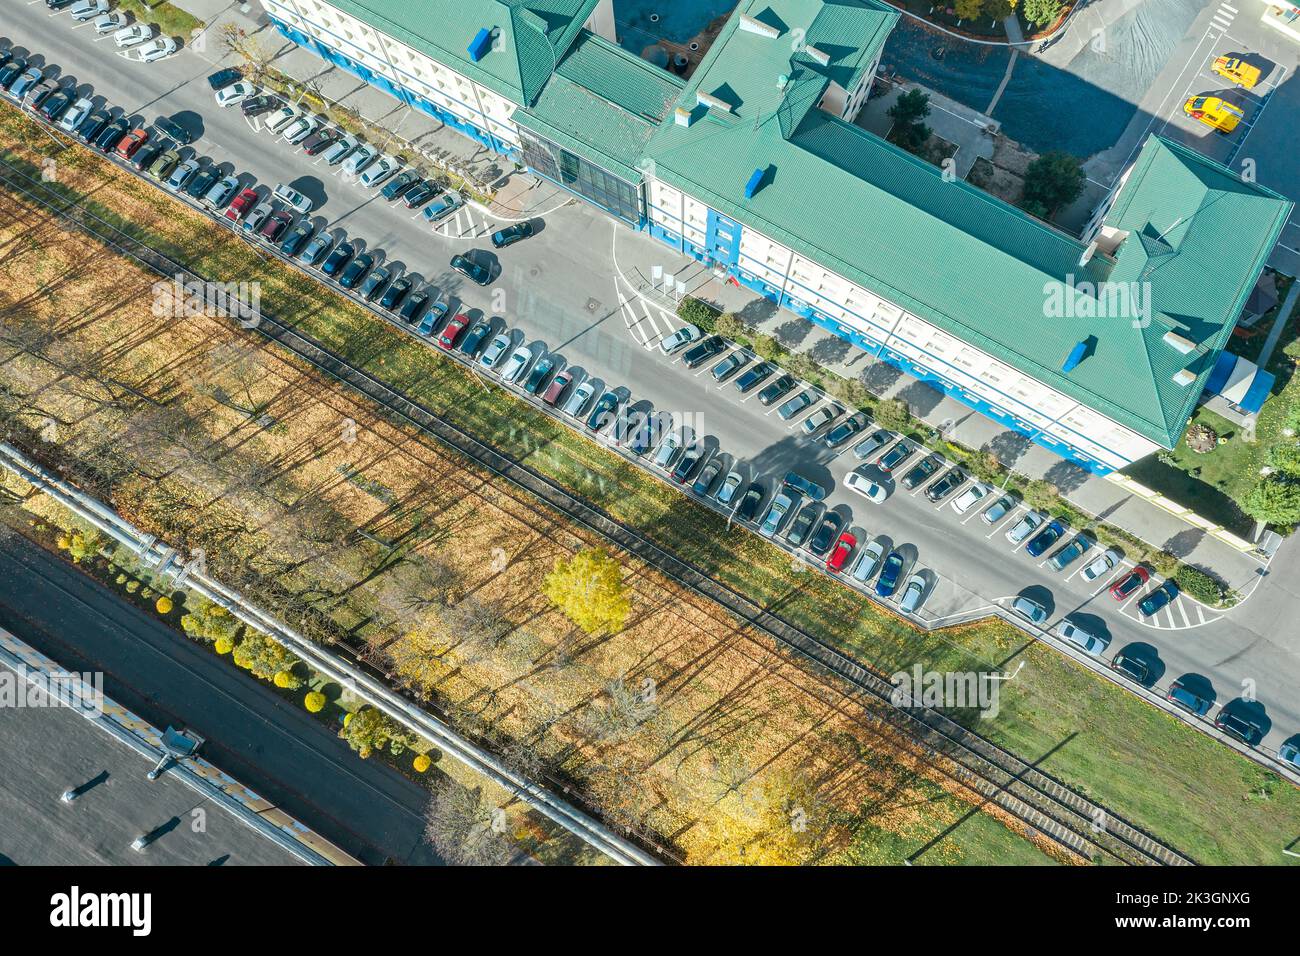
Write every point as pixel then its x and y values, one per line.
pixel 1179 343
pixel 1184 377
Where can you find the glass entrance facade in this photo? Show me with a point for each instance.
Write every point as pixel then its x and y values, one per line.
pixel 615 195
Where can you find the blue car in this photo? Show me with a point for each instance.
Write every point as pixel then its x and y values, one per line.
pixel 1045 539
pixel 1158 598
pixel 887 583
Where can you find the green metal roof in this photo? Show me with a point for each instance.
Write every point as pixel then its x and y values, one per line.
pixel 956 256
pixel 530 36
pixel 603 103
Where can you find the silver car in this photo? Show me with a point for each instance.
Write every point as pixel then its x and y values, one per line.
pixel 1030 609
pixel 1025 527
pixel 1077 636
pixel 1100 566
pixel 579 399
pixel 868 562
pixel 361 157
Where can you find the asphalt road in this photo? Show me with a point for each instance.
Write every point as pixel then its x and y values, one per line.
pixel 562 290
pixel 265 741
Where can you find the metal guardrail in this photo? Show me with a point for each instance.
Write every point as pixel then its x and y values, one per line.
pixel 996 774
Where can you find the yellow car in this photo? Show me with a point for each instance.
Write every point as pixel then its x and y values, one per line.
pixel 1220 115
pixel 1238 71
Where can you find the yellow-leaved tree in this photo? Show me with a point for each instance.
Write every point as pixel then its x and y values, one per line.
pixel 589 589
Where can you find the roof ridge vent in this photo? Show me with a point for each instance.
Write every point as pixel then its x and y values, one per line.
pixel 821 56
pixel 753 25
pixel 711 101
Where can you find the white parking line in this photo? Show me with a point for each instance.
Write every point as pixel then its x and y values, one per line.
pixel 1182 610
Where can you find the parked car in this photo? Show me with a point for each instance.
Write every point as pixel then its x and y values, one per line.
pixel 474 338
pixel 603 412
pixel 145 156
pixel 702 351
pixel 395 293
pixel 164 163
pixel 24 84
pixel 1029 609
pixel 776 389
pixel 555 391
pixel 421 192
pixel 235 93
pixel 452 332
pixel 495 351
pixel 292 243
pixel 181 176
pixel 294 199
pixel 859 482
pixel 515 365
pixel 337 259
pixel 667 450
pixel 157 49
pixel 88 130
pixel 797 534
pixel 890 571
pixel 868 562
pixel 1089 643
pixel 257 216
pixel 1180 696
pixel 946 485
pixel 1045 539
pixel 52 106
pixel 360 158
pixel 747 510
pixel 399 184
pixel 128 145
pixel 134 35
pixel 686 465
pixel 223 78
pixel 1130 583
pixel 998 510
pixel 340 151
pixel 1100 565
pixel 203 180
pixel 10 72
pixel 682 337
pixel 537 376
pixel 643 439
pixel 913 593
pixel 278 120
pixel 707 476
pixel 1135 668
pixel 1289 753
pixel 511 234
pixel 777 511
pixel 831 525
pixel 729 366
pixel 1157 599
pixel 241 205
pixel 413 306
pixel 260 104
pixel 922 472
pixel 221 192
pixel 844 546
pixel 173 130
pixel 84 10
pixel 969 498
pixel 1240 727
pixel 752 376
pixel 823 416
pixel 275 225
pixel 726 492
pixel 315 250
pixel 373 287
pixel 442 207
pixel 476 272
pixel 111 135
pixel 1026 526
pixel 109 23
pixel 579 399
pixel 352 273
pixel 871 444
pixel 846 429
pixel 299 129
pixel 382 168
pixel 897 454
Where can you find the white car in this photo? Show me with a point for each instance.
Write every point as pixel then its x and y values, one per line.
pixel 257 215
pixel 300 129
pixel 280 119
pixel 579 399
pixel 868 562
pixel 683 336
pixel 856 481
pixel 133 35
pixel 379 170
pixel 970 498
pixel 516 364
pixel 913 593
pixel 1101 566
pixel 236 92
pixel 295 200
pixel 110 23
pixel 156 50
pixel 496 348
pixel 1088 643
pixel 83 10
pixel 359 160
pixel 77 112
pixel 335 154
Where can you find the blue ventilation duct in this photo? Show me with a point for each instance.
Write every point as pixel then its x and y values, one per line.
pixel 1075 357
pixel 755 181
pixel 479 46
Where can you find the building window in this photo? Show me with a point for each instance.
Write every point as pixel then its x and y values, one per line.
pixel 618 196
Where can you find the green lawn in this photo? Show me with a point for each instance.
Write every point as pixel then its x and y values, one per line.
pixel 1153 770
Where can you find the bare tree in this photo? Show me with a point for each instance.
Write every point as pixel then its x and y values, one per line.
pixel 464 829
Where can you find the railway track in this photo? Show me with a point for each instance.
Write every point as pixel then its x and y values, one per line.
pixel 998 776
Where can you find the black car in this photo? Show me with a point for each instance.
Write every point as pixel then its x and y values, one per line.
pixel 203 180
pixel 704 480
pixel 93 125
pixel 643 439
pixel 39 93
pixel 55 104
pixel 145 155
pixel 922 472
pixel 374 284
pixel 59 4
pixel 538 375
pixel 777 389
pixel 11 71
pixel 420 193
pixel 603 413
pixel 469 345
pixel 753 376
pixel 748 507
pixel 292 244
pixel 262 103
pixel 826 534
pixel 358 267
pixel 1240 727
pixel 895 456
pixel 337 259
pixel 475 272
pixel 1133 667
pixel 946 485
pixel 169 127
pixel 223 78
pixel 511 234
pixel 413 306
pixel 846 429
pixel 111 135
pixel 797 533
pixel 701 352
pixel 395 293
pixel 686 465
pixel 400 183
pixel 729 365
pixel 319 141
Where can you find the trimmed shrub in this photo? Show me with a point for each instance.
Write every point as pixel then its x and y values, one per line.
pixel 1199 585
pixel 421 763
pixel 223 645
pixel 314 702
pixel 698 312
pixel 164 605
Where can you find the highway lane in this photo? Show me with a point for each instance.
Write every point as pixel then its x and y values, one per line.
pixel 562 290
pixel 267 742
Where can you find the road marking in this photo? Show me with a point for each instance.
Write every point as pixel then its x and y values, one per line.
pixel 1182 610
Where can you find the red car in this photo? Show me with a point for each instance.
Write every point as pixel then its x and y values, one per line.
pixel 275 224
pixel 844 546
pixel 132 141
pixel 238 209
pixel 447 339
pixel 1130 583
